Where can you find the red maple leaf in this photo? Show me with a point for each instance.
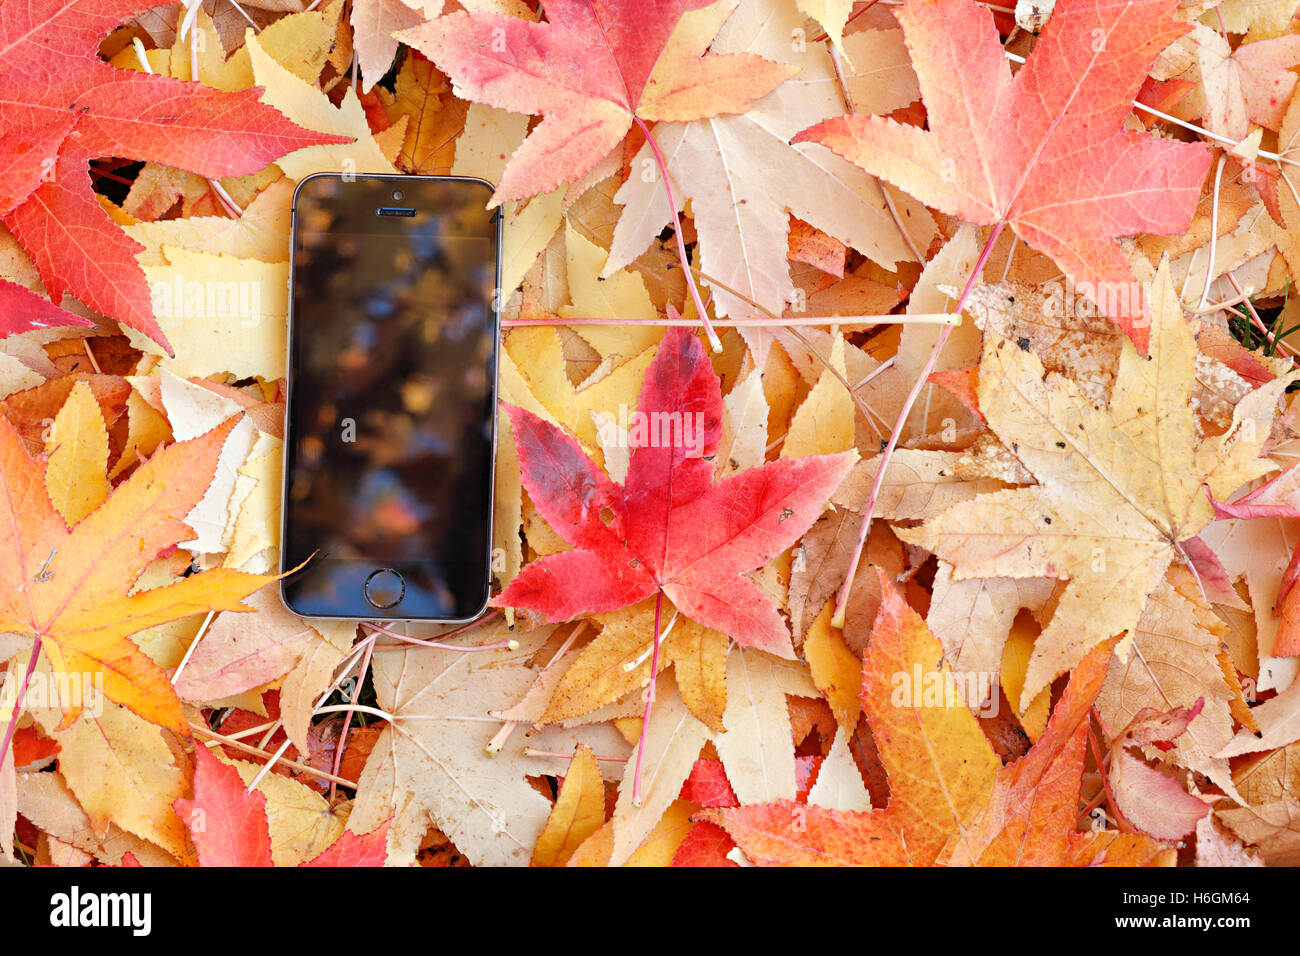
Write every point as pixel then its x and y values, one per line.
pixel 228 824
pixel 355 849
pixel 1044 151
pixel 667 527
pixel 22 310
pixel 61 106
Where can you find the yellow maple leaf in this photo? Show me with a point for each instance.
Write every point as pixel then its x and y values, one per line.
pixel 579 811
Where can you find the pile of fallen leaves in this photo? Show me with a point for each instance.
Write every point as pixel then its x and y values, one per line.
pixel 976 538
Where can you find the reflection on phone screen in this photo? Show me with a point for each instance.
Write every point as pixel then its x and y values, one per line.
pixel 389 444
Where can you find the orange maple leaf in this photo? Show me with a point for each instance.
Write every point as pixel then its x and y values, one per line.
pixel 1045 151
pixel 70 588
pixel 951 800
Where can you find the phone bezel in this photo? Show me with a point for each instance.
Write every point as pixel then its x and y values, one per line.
pixel 495 306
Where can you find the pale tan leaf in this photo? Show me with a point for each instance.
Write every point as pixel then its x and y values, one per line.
pixel 839 783
pixel 757 748
pixel 744 427
pixel 431 765
pixel 744 179
pixel 1216 847
pixel 1173 663
pixel 301 822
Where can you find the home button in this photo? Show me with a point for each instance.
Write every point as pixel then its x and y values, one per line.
pixel 385 588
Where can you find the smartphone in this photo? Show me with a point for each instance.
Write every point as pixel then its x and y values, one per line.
pixel 391 411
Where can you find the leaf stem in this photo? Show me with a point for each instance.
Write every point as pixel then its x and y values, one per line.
pixel 640 659
pixel 649 702
pixel 842 602
pixel 919 318
pixel 347 724
pixel 1214 230
pixel 189 651
pixel 467 649
pixel 12 725
pixel 267 767
pixel 209 734
pixel 714 341
pixel 1273 340
pixel 356 709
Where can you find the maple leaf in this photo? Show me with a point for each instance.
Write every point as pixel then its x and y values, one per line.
pixel 667 528
pixel 436 117
pixel 591 69
pixel 432 763
pixel 951 800
pixel 373 24
pixel 708 786
pixel 55 90
pixel 1143 796
pixel 23 310
pixel 744 179
pixel 241 652
pixel 1249 85
pixel 306 104
pixel 579 811
pixel 940 766
pixel 1119 486
pixel 354 849
pixel 668 749
pixel 121 769
pixel 1216 847
pixel 228 823
pixel 705 845
pixel 598 675
pixel 70 588
pixel 757 747
pixel 1044 151
pixel 1176 662
pixel 1030 816
pixel 839 784
pixel 1269 813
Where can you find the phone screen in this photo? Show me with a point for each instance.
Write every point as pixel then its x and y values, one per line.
pixel 392 392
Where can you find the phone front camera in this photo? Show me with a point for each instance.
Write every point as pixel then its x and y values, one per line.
pixel 398 195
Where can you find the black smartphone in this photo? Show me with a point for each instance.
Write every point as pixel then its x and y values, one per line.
pixel 391 409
